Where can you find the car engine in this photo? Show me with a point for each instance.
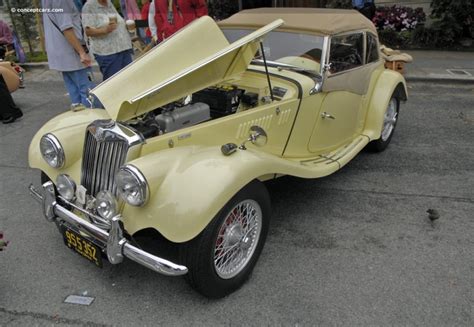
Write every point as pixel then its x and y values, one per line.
pixel 204 105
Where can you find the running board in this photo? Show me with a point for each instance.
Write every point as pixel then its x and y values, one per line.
pixel 339 157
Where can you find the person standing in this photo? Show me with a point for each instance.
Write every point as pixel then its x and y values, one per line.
pixel 152 22
pixel 145 33
pixel 9 112
pixel 109 40
pixel 6 38
pixel 365 7
pixel 172 15
pixel 66 49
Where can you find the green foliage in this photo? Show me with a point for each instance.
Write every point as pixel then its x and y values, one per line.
pixel 394 39
pixel 453 20
pixel 37 57
pixel 116 4
pixel 433 37
pixel 452 17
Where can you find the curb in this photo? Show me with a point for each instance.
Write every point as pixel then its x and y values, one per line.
pixel 35 65
pixel 439 80
pixel 43 65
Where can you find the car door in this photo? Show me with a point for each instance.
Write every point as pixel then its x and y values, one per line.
pixel 344 85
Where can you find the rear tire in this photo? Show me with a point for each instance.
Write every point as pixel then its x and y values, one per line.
pixel 388 128
pixel 221 258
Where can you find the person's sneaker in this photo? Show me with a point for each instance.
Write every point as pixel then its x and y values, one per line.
pixel 77 107
pixel 13 117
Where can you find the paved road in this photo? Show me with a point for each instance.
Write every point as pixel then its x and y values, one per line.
pixel 355 248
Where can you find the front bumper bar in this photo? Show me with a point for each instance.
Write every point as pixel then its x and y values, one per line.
pixel 112 242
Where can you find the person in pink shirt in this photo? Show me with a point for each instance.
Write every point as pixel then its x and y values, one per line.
pixel 6 38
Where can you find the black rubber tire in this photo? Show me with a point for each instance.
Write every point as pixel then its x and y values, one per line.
pixel 44 178
pixel 380 145
pixel 198 254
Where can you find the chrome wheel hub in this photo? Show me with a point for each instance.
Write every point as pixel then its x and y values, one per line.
pixel 233 234
pixel 389 119
pixel 237 239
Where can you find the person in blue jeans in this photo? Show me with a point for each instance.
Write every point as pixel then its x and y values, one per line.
pixel 65 47
pixel 109 39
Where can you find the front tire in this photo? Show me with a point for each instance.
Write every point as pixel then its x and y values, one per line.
pixel 390 120
pixel 221 258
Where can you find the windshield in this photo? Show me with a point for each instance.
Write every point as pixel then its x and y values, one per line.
pixel 296 49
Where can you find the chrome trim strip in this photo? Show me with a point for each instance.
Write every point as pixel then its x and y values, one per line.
pixel 116 246
pixel 108 130
pixel 324 57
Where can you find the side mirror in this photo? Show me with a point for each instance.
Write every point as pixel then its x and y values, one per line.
pixel 257 136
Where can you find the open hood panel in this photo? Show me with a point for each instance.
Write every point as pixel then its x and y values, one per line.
pixel 195 58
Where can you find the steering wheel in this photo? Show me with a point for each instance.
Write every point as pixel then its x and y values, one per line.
pixel 301 62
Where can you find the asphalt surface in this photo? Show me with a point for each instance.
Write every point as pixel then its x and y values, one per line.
pixel 355 248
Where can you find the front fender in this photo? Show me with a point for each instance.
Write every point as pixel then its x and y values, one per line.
pixel 69 128
pixel 388 83
pixel 189 185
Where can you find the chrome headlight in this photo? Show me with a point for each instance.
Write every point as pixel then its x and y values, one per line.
pixel 52 151
pixel 132 185
pixel 66 186
pixel 106 205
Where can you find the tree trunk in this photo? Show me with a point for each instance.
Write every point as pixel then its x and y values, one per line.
pixel 10 13
pixel 39 26
pixel 30 47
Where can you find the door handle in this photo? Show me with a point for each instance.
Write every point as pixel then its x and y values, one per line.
pixel 326 115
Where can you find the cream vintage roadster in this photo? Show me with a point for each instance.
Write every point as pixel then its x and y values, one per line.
pixel 191 130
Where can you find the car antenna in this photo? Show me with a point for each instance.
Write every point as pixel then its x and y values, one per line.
pixel 266 70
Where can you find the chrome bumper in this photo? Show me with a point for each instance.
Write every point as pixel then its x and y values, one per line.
pixel 113 242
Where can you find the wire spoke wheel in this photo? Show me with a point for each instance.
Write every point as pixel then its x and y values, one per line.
pixel 389 122
pixel 389 119
pixel 221 258
pixel 237 238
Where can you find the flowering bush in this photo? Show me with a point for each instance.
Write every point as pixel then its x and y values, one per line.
pixel 398 18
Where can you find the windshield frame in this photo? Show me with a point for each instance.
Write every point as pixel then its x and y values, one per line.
pixel 281 64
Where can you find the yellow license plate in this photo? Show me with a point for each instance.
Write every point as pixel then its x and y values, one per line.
pixel 82 246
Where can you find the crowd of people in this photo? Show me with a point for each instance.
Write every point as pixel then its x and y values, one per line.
pixel 76 32
pixel 95 28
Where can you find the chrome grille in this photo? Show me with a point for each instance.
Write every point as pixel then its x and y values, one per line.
pixel 106 147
